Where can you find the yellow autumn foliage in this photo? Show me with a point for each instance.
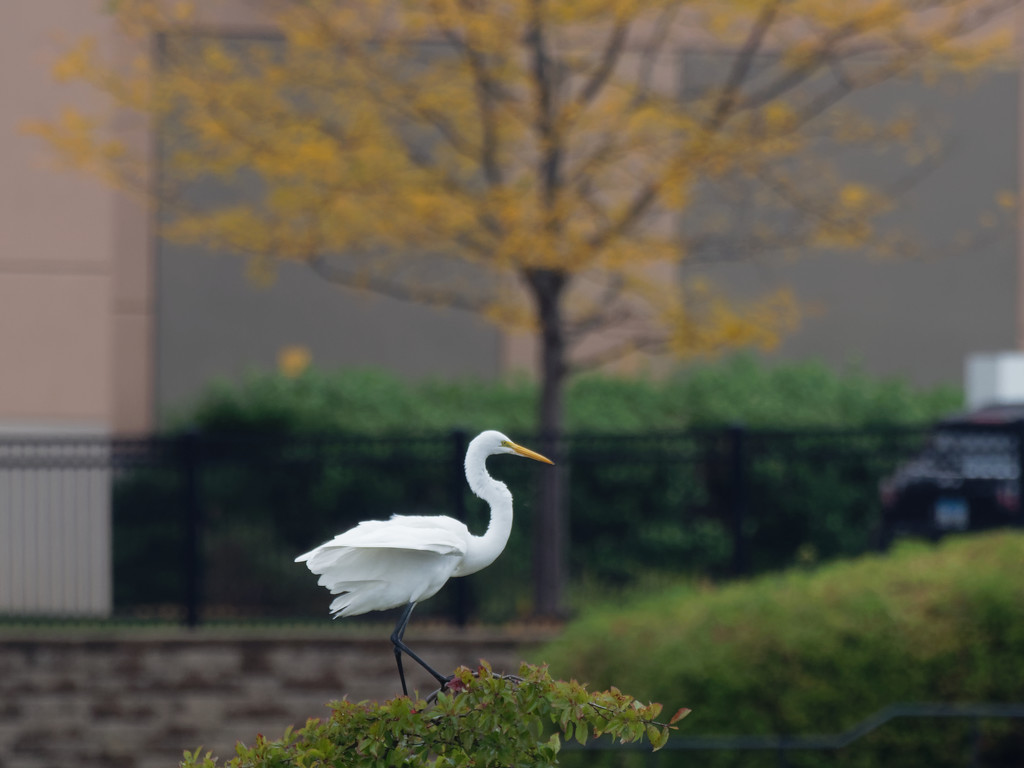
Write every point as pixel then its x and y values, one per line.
pixel 526 138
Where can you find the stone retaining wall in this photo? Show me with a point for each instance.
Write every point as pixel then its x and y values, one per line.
pixel 137 699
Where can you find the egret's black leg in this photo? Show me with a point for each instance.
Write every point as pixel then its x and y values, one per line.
pixel 396 640
pixel 401 647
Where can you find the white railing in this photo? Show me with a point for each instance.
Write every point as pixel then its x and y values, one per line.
pixel 55 528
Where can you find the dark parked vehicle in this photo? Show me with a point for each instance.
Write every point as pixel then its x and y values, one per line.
pixel 967 478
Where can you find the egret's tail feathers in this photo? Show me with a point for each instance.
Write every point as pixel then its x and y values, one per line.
pixel 339 604
pixel 355 597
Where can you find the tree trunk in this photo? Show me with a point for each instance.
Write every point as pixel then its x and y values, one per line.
pixel 550 526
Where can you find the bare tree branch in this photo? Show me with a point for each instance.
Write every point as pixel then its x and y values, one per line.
pixel 602 314
pixel 651 343
pixel 544 75
pixel 390 286
pixel 663 26
pixel 645 197
pixel 606 64
pixel 486 94
pixel 742 64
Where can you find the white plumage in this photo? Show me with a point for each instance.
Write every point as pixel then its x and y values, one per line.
pixel 386 564
pixel 382 564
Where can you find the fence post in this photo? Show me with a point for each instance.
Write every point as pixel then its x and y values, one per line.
pixel 1020 473
pixel 457 478
pixel 189 446
pixel 738 496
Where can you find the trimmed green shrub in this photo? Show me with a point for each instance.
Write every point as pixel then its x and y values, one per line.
pixel 735 390
pixel 810 652
pixel 483 720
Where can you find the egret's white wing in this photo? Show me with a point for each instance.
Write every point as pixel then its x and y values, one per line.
pixel 377 579
pixel 383 564
pixel 439 534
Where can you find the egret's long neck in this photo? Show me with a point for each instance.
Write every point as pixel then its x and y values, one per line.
pixel 485 549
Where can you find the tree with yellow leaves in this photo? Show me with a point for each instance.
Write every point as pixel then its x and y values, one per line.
pixel 529 160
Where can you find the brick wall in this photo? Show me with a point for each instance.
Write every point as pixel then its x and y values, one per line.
pixel 137 699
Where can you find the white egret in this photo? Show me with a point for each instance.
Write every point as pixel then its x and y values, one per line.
pixel 382 564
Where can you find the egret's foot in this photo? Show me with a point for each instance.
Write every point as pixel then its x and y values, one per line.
pixel 449 684
pixel 453 684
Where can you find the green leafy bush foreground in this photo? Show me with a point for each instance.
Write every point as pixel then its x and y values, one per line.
pixel 812 652
pixel 484 720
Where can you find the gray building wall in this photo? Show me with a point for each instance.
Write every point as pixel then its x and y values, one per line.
pixel 214 322
pixel 917 316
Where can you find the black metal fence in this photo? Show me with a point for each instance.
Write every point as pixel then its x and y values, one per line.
pixel 198 527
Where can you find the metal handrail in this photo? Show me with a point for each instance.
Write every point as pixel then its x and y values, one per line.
pixel 822 742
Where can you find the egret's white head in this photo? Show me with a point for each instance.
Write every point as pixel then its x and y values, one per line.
pixel 492 442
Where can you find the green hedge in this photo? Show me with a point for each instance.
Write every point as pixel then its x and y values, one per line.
pixel 811 652
pixel 734 390
pixel 288 462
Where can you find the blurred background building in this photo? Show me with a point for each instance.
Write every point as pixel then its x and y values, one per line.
pixel 102 328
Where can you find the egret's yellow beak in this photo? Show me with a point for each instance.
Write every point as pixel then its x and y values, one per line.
pixel 527 452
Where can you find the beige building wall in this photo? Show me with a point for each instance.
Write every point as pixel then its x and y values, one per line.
pixel 75 307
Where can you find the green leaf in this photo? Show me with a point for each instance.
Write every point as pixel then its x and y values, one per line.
pixel 581 734
pixel 555 743
pixel 679 715
pixel 657 736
